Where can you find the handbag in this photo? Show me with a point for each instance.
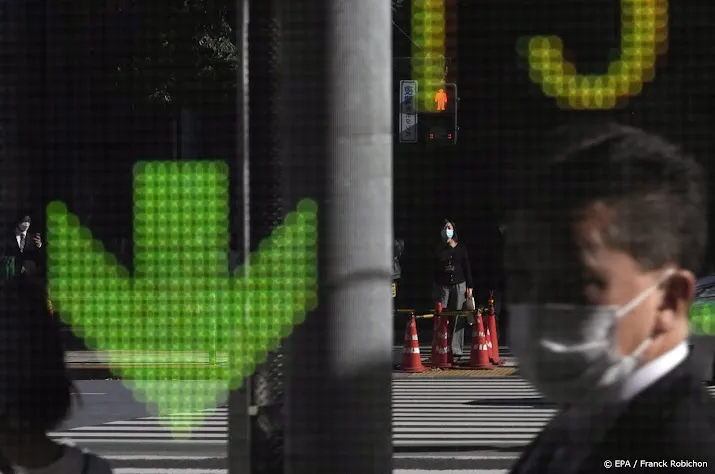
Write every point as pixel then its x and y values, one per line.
pixel 469 305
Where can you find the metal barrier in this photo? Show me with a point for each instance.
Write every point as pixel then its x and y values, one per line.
pixel 433 313
pixel 412 312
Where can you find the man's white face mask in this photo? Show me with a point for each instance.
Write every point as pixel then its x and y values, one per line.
pixel 569 352
pixel 23 226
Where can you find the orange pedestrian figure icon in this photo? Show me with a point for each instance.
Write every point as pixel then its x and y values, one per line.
pixel 440 99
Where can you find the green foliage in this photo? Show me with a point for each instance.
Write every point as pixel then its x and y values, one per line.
pixel 182 50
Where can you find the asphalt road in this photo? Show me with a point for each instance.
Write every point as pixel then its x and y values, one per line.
pixel 103 401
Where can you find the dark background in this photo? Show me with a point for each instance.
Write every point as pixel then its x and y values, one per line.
pixel 80 131
pixel 503 117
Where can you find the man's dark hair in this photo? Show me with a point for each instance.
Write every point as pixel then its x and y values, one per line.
pixel 656 191
pixel 21 216
pixel 35 388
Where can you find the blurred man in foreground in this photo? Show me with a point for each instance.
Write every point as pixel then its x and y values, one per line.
pixel 35 388
pixel 600 263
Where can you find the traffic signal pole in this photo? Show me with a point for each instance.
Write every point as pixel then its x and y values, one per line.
pixel 17 76
pixel 337 138
pixel 267 213
pixel 239 402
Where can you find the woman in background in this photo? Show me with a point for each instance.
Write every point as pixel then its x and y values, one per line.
pixel 452 281
pixel 398 249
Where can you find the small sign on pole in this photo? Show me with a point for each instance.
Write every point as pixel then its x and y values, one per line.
pixel 408 112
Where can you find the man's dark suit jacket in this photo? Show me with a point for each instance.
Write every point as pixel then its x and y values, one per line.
pixel 9 248
pixel 673 419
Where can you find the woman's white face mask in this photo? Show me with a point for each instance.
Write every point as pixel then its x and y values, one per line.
pixel 569 352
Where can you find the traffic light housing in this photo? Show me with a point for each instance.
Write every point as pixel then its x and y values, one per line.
pixel 439 126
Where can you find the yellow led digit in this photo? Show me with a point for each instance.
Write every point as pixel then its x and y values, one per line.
pixel 428 50
pixel 644 37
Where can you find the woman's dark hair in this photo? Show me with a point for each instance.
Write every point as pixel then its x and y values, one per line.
pixel 35 387
pixel 454 227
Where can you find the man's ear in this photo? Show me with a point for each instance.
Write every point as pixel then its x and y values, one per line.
pixel 678 294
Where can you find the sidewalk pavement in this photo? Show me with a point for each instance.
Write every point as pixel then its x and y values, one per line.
pixel 104 365
pixel 103 359
pixel 89 359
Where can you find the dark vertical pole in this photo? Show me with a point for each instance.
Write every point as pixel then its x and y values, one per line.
pixel 239 435
pixel 8 85
pixel 267 212
pixel 14 119
pixel 337 128
pixel 58 99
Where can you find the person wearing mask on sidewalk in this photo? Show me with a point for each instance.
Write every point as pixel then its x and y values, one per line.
pixel 452 281
pixel 20 249
pixel 35 388
pixel 600 264
pixel 398 249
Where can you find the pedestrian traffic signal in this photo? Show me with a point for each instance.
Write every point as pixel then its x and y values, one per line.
pixel 441 126
pixel 440 98
pixel 438 125
pixel 444 101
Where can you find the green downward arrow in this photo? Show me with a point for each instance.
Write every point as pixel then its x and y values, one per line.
pixel 702 319
pixel 181 297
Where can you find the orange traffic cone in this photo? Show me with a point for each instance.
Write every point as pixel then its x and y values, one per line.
pixel 488 336
pixel 411 361
pixel 479 358
pixel 492 339
pixel 440 356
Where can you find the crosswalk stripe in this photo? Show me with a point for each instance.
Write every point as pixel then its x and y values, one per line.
pixel 143 429
pixel 186 422
pixel 174 470
pixel 131 470
pixel 140 434
pixel 149 457
pixel 109 439
pixel 451 471
pixel 479 413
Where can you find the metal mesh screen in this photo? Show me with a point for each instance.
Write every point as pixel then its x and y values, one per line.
pixel 11 52
pixel 267 212
pixel 267 430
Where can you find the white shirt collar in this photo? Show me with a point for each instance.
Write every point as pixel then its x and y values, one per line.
pixel 18 232
pixel 653 371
